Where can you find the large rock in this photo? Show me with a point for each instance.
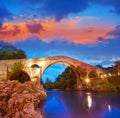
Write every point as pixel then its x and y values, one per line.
pixel 20 100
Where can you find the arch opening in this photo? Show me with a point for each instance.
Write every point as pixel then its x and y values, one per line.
pixel 20 75
pixel 35 66
pixel 67 78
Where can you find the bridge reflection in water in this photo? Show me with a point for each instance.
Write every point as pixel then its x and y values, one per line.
pixel 63 104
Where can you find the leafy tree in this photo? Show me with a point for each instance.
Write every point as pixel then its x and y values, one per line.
pixel 66 80
pixel 48 84
pixel 17 73
pixel 112 70
pixel 20 54
pixel 10 52
pixel 100 66
pixel 117 65
pixel 17 66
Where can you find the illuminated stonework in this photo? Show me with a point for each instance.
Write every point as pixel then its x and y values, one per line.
pixel 36 67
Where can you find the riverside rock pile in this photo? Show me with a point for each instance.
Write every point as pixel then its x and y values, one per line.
pixel 20 100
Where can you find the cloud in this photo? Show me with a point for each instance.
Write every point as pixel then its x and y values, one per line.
pixel 34 27
pixel 7 32
pixel 14 31
pixel 69 29
pixel 101 39
pixel 57 9
pixel 98 54
pixel 62 8
pixel 115 32
pixel 4 14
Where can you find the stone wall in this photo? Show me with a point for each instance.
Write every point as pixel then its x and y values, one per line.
pixel 43 64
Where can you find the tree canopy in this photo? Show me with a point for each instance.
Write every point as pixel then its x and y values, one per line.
pixel 67 80
pixel 17 73
pixel 10 52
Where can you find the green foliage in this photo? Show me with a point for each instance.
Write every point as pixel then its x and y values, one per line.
pixel 117 66
pixel 17 66
pixel 17 73
pixel 114 79
pixel 105 87
pixel 64 81
pixel 10 52
pixel 21 76
pixel 112 85
pixel 48 84
pixel 100 66
pixel 112 70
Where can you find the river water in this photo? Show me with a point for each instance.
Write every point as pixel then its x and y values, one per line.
pixel 77 104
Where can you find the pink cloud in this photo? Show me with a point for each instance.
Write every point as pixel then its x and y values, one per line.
pixel 70 29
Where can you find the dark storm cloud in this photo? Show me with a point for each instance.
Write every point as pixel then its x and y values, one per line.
pixel 116 32
pixel 4 14
pixel 62 8
pixel 34 27
pixel 58 8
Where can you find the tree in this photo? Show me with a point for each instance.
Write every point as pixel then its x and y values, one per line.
pixel 20 54
pixel 66 80
pixel 100 66
pixel 17 73
pixel 17 66
pixel 117 65
pixel 112 70
pixel 48 84
pixel 10 52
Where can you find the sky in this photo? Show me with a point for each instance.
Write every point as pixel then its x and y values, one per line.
pixel 53 72
pixel 87 30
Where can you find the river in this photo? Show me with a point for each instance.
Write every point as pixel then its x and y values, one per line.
pixel 77 104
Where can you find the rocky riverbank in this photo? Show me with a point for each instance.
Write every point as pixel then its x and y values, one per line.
pixel 20 100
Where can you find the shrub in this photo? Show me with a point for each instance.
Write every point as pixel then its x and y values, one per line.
pixel 17 73
pixel 20 75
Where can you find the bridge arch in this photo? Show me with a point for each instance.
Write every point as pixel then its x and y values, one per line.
pixel 35 67
pixel 67 63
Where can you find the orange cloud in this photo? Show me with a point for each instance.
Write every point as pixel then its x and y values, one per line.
pixel 69 29
pixel 73 31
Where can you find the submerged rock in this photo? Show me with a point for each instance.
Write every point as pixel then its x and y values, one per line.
pixel 20 100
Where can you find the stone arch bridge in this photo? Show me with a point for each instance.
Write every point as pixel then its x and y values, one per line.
pixel 35 67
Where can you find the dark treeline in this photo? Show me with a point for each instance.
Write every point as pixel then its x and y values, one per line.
pixel 10 52
pixel 65 81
